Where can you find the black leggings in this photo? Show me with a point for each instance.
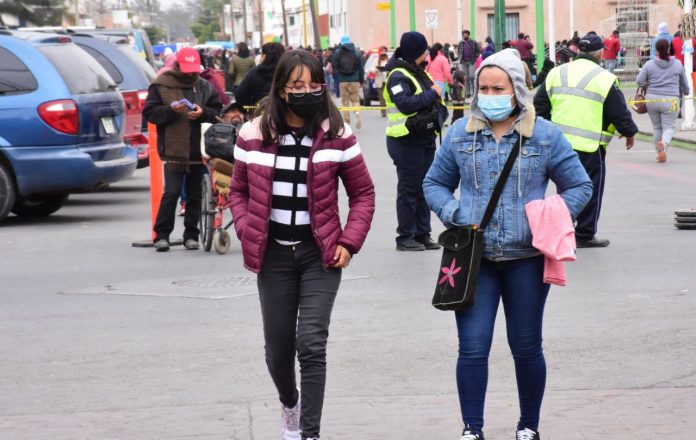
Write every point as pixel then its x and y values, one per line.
pixel 297 296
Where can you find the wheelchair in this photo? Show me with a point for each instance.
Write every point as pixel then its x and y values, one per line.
pixel 218 158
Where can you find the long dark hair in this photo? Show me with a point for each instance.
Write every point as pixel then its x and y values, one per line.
pixel 662 48
pixel 271 53
pixel 434 50
pixel 273 123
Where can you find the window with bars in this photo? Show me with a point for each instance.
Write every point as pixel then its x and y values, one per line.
pixel 512 26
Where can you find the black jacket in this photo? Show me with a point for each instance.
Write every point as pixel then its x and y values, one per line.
pixel 615 110
pixel 160 114
pixel 402 94
pixel 255 85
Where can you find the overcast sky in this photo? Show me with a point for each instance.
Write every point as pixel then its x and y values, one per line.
pixel 166 4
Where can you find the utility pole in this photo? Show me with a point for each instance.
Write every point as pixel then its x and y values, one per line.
pixel 244 11
pixel 459 20
pixel 304 23
pixel 261 23
pixel 472 13
pixel 315 23
pixel 77 12
pixel 285 23
pixel 688 106
pixel 540 34
pixel 499 23
pixel 552 33
pixel 392 13
pixel 232 36
pixel 412 14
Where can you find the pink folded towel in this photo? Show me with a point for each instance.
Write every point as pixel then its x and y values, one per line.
pixel 553 234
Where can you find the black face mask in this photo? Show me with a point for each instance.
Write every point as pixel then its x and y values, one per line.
pixel 423 64
pixel 306 105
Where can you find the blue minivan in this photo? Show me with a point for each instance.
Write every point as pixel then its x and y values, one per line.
pixel 61 124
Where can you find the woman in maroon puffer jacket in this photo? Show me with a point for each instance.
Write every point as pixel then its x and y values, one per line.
pixel 284 199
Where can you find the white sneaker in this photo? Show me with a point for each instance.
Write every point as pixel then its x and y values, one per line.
pixel 290 426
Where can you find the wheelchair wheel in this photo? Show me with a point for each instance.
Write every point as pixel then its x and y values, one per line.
pixel 221 241
pixel 207 220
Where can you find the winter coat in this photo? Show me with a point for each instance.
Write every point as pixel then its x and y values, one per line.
pixel 160 114
pixel 439 69
pixel 255 85
pixel 358 75
pixel 239 67
pixel 252 188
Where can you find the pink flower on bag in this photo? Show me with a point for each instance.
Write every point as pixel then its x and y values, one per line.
pixel 449 272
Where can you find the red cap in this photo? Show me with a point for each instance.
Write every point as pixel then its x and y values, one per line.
pixel 189 60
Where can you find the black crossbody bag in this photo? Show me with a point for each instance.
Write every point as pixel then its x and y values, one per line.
pixel 463 250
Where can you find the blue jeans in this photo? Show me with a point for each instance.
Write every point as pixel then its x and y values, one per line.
pixel 520 285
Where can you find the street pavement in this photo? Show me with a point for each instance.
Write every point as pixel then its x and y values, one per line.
pixel 101 340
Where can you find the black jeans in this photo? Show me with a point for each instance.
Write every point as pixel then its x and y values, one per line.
pixel 297 295
pixel 173 181
pixel 587 220
pixel 412 162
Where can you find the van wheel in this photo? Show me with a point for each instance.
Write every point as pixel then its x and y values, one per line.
pixel 39 206
pixel 7 192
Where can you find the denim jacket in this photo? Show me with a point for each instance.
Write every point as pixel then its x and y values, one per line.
pixel 470 158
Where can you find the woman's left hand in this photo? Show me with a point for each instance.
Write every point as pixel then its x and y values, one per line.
pixel 341 258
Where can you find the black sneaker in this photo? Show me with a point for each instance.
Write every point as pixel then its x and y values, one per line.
pixel 428 242
pixel 594 242
pixel 162 245
pixel 409 245
pixel 470 434
pixel 527 434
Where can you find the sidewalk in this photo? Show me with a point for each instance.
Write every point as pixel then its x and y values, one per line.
pixel 682 138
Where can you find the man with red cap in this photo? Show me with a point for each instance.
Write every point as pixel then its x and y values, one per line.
pixel 178 101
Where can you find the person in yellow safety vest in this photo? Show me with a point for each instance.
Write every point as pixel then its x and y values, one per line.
pixel 416 113
pixel 585 101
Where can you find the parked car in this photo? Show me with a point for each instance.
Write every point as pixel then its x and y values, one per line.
pixel 133 76
pixel 369 90
pixel 61 124
pixel 137 39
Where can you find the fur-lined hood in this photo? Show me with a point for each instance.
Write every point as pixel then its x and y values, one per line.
pixel 509 61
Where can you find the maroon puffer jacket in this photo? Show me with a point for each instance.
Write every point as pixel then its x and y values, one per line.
pixel 329 159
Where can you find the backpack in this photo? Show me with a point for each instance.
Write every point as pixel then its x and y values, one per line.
pixel 347 61
pixel 219 141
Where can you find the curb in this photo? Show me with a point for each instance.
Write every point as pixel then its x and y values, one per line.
pixel 688 144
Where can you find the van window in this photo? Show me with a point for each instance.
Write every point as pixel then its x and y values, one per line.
pixel 147 69
pixel 79 70
pixel 15 76
pixel 105 63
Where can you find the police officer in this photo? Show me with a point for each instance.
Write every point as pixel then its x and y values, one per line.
pixel 585 101
pixel 416 112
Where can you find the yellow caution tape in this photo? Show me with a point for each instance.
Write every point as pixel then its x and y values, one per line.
pixel 373 108
pixel 672 100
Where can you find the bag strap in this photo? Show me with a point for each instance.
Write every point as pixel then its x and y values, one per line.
pixel 498 190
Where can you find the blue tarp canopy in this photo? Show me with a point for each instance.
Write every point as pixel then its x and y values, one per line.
pixel 223 44
pixel 158 49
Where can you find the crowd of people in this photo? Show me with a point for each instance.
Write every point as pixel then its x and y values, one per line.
pixel 296 147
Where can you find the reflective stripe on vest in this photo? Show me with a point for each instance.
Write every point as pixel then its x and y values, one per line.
pixel 396 124
pixel 577 92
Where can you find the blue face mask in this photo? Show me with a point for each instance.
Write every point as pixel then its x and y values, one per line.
pixel 495 107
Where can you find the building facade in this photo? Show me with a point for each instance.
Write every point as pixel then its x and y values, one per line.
pixel 368 22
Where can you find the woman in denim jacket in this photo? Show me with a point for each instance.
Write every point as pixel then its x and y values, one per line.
pixel 471 158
